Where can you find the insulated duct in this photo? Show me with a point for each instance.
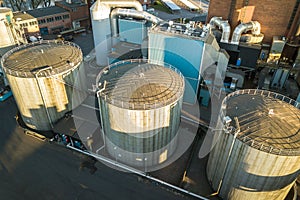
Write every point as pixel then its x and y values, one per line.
pixel 136 14
pixel 254 26
pixel 101 9
pixel 100 14
pixel 224 25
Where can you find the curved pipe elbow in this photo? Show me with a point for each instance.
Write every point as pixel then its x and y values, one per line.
pixel 224 25
pixel 131 13
pixel 254 26
pixel 226 31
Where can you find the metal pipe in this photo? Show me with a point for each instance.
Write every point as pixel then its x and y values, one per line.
pixel 101 9
pixel 130 13
pixel 137 172
pixel 237 131
pixel 224 25
pixel 41 92
pixel 100 14
pixel 254 26
pixel 101 120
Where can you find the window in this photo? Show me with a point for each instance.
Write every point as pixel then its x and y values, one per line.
pixel 24 24
pixel 57 18
pixel 74 9
pixel 32 23
pixel 66 16
pixel 50 19
pixel 42 21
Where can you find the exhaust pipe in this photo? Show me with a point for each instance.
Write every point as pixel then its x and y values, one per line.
pixel 254 26
pixel 130 13
pixel 100 14
pixel 224 25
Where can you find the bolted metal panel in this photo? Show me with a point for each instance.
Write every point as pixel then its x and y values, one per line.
pixel 140 105
pixel 256 155
pixel 45 80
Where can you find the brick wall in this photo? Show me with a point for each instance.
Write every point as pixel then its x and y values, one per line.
pixel 219 8
pixel 273 15
pixel 77 13
pixel 64 23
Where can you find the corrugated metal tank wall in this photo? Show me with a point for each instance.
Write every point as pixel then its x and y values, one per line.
pixel 59 98
pixel 250 173
pixel 45 97
pixel 140 115
pixel 134 134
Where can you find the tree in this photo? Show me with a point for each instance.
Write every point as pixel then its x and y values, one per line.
pixel 21 5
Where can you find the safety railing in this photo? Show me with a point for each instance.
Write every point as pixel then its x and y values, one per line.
pixel 252 142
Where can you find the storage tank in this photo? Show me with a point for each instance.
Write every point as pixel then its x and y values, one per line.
pixel 257 151
pixel 7 37
pixel 140 105
pixel 42 77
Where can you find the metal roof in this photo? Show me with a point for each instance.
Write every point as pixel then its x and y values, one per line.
pixel 42 12
pixel 24 60
pixel 139 85
pixel 268 121
pixel 22 15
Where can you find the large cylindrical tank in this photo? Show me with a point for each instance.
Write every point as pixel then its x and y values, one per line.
pixel 140 105
pixel 257 151
pixel 7 37
pixel 46 79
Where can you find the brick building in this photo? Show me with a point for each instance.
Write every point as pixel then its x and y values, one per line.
pixel 277 17
pixel 28 23
pixel 51 20
pixel 79 12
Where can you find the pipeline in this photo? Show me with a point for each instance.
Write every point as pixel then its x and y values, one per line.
pixel 102 9
pixel 130 13
pixel 254 26
pixel 224 25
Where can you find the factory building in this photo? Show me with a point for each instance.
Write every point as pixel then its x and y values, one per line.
pixel 42 77
pixel 257 152
pixel 140 105
pixel 11 33
pixel 277 18
pixel 187 47
pixel 194 51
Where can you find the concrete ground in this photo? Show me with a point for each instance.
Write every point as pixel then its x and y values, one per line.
pixel 33 169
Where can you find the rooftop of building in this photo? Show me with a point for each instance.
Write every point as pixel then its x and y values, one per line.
pixel 4 10
pixel 267 121
pixel 121 49
pixel 189 30
pixel 73 4
pixel 42 12
pixel 22 16
pixel 25 60
pixel 140 85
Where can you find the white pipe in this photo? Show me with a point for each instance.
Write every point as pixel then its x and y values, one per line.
pixel 130 13
pixel 224 25
pixel 100 14
pixel 254 26
pixel 101 9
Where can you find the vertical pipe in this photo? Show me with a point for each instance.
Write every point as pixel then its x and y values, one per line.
pixel 229 155
pixel 41 92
